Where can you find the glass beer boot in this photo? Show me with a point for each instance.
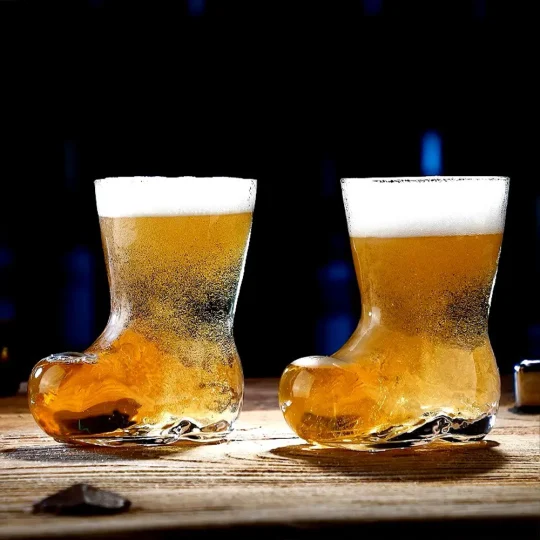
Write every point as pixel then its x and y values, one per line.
pixel 165 368
pixel 419 366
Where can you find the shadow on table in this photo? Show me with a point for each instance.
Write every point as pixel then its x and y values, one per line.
pixel 81 454
pixel 439 462
pixel 462 529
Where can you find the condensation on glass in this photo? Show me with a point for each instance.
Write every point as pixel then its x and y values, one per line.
pixel 166 368
pixel 419 367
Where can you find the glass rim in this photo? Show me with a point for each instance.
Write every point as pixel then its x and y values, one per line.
pixel 423 179
pixel 172 179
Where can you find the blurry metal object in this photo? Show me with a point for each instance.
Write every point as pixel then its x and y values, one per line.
pixel 527 385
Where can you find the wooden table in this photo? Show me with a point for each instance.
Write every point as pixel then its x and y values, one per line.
pixel 267 482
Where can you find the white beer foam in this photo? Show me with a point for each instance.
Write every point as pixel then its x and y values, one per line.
pixel 164 196
pixel 425 206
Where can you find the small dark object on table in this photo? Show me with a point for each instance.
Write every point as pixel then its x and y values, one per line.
pixel 83 499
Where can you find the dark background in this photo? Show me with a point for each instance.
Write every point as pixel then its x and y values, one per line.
pixel 295 94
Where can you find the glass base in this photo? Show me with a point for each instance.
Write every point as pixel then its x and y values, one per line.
pixel 441 428
pixel 186 431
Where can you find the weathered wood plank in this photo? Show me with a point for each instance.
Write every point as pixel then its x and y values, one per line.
pixel 266 476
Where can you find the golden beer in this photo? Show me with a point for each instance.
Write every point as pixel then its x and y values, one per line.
pixel 419 366
pixel 166 366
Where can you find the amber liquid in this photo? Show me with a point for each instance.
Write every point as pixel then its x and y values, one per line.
pixel 166 364
pixel 420 359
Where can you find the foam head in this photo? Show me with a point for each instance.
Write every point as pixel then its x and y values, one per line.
pixel 425 206
pixel 164 196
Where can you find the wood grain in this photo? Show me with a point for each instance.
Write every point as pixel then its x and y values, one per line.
pixel 264 476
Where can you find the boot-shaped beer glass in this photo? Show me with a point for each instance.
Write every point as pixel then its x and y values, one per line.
pixel 419 366
pixel 165 368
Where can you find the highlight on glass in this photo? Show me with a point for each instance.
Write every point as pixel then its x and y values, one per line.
pixel 419 367
pixel 165 368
